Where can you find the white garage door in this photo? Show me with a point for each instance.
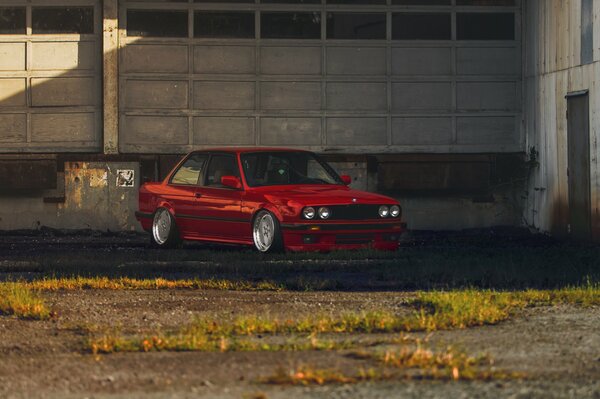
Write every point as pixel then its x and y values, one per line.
pixel 50 76
pixel 329 75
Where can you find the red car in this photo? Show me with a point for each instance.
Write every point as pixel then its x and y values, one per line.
pixel 274 199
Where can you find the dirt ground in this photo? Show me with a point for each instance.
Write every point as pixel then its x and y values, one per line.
pixel 556 348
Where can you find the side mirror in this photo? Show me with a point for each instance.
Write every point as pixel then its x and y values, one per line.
pixel 231 182
pixel 346 179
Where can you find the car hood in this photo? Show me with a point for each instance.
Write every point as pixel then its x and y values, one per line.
pixel 316 195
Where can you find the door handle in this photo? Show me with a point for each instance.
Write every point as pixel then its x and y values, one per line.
pixel 197 195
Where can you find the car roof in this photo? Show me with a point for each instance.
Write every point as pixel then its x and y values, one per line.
pixel 249 149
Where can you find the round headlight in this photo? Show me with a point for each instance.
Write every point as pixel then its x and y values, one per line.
pixel 309 212
pixel 384 211
pixel 395 211
pixel 324 212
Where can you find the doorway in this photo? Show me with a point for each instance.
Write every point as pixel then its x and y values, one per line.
pixel 578 137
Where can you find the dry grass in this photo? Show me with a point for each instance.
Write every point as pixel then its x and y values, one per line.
pixel 307 375
pixel 125 283
pixel 191 340
pixel 18 300
pixel 403 362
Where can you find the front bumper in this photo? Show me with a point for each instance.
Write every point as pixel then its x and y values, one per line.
pixel 338 236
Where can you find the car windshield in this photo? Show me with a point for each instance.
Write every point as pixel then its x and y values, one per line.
pixel 286 167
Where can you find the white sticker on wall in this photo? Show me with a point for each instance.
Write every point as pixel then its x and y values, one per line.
pixel 125 178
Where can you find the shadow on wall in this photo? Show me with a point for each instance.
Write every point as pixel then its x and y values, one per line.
pixel 51 102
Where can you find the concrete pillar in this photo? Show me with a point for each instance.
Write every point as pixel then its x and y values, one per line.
pixel 110 76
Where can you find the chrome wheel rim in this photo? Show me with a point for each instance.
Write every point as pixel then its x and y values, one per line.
pixel 161 226
pixel 264 232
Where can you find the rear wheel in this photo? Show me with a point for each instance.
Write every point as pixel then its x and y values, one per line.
pixel 266 232
pixel 164 230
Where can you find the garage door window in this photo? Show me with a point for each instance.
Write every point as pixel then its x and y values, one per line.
pixel 155 23
pixel 291 25
pixel 375 2
pixel 224 24
pixel 421 2
pixel 291 1
pixel 485 26
pixel 56 20
pixel 421 26
pixel 509 3
pixel 12 20
pixel 355 25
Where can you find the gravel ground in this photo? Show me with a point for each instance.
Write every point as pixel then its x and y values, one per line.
pixel 557 348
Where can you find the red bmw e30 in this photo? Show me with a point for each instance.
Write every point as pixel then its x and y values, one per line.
pixel 274 199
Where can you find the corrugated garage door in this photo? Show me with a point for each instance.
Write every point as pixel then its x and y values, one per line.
pixel 50 76
pixel 330 75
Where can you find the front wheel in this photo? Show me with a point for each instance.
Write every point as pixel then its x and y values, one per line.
pixel 266 232
pixel 164 230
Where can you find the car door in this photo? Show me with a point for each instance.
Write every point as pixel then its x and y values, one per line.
pixel 220 206
pixel 182 192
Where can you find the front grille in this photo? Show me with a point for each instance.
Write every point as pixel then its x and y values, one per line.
pixel 354 238
pixel 354 212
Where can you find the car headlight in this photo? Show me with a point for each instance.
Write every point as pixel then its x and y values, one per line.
pixel 324 212
pixel 395 211
pixel 308 212
pixel 384 211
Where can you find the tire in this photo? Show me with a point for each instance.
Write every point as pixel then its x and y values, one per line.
pixel 164 232
pixel 266 233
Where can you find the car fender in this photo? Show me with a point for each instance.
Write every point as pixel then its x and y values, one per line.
pixel 161 203
pixel 271 208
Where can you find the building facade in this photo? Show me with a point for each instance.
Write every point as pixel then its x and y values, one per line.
pixel 436 102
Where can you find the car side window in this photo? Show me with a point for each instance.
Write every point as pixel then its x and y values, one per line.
pixel 190 173
pixel 221 165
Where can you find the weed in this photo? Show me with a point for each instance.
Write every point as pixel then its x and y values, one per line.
pixel 125 283
pixel 306 375
pixel 404 362
pixel 17 299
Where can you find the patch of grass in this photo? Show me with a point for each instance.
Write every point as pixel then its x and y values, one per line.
pixel 125 283
pixel 192 340
pixel 20 301
pixel 433 311
pixel 403 362
pixel 307 375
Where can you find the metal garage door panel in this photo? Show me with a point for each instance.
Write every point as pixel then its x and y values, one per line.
pixel 156 94
pixel 156 130
pixel 486 130
pixel 224 95
pixel 224 131
pixel 290 131
pixel 356 61
pixel 62 127
pixel 422 61
pixel 290 95
pixel 13 128
pixel 225 59
pixel 422 95
pixel 496 96
pixel 156 58
pixel 356 131
pixel 60 92
pixel 421 131
pixel 356 96
pixel 12 56
pixel 63 55
pixel 487 61
pixel 290 60
pixel 12 93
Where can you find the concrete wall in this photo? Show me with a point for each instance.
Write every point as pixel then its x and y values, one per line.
pixel 552 68
pixel 87 197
